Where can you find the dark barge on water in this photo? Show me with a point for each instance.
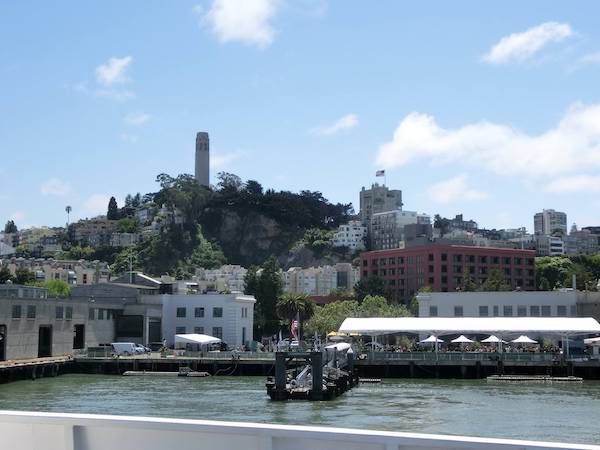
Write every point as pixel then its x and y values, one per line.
pixel 316 375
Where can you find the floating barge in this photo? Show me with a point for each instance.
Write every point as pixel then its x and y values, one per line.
pixel 534 378
pixel 183 372
pixel 319 375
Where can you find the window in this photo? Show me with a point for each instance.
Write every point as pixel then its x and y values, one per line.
pixel 199 330
pixel 16 311
pixel 217 312
pixel 430 280
pixel 31 311
pixel 217 332
pixel 100 314
pixel 518 261
pixel 59 312
pixel 507 271
pixel 444 269
pixel 392 261
pixel 91 314
pixel 545 310
pixel 495 260
pixel 483 259
pixel 69 312
pixel 534 311
pixel 470 259
pixel 444 257
pixel 496 311
pixel 506 260
pixel 181 312
pixel 458 311
pixel 457 269
pixel 180 330
pixel 433 311
pixel 561 310
pixel 431 269
pixel 430 257
pixel 199 312
pixel 456 258
pixel 573 309
pixel 444 279
pixel 365 262
pixel 85 278
pixel 522 311
pixel 483 311
pixel 245 310
pixel 507 311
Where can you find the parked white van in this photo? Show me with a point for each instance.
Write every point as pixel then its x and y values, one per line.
pixel 124 348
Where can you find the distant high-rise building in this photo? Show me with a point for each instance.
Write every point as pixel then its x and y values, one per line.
pixel 550 222
pixel 378 199
pixel 202 159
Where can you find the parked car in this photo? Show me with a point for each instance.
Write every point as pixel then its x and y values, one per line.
pixel 139 348
pixel 124 348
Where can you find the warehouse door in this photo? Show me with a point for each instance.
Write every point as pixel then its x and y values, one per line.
pixel 45 341
pixel 2 342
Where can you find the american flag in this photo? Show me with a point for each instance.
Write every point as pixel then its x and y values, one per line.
pixel 380 173
pixel 295 327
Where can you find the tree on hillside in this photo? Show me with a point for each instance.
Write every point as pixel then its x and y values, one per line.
pixel 495 282
pixel 290 303
pixel 5 275
pixel 340 292
pixel 10 227
pixel 113 210
pixel 56 288
pixel 23 276
pixel 554 270
pixel 266 288
pixel 372 285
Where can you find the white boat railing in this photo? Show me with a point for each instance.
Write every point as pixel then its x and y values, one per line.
pixel 54 431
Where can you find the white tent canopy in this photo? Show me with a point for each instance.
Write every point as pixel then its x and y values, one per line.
pixel 492 340
pixel 462 339
pixel 524 340
pixel 202 339
pixel 473 325
pixel 592 341
pixel 431 339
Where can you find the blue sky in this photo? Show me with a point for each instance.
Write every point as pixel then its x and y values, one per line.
pixel 488 110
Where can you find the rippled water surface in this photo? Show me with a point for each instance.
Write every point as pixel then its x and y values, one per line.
pixel 550 412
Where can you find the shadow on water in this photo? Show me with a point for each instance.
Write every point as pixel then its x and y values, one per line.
pixel 555 412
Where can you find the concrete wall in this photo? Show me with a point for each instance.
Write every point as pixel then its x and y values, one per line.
pixel 22 333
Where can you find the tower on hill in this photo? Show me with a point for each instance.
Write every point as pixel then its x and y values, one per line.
pixel 202 159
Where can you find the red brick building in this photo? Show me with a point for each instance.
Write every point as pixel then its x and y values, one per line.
pixel 444 267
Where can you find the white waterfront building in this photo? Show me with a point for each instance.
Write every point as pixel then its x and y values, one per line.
pixel 351 235
pixel 498 304
pixel 229 317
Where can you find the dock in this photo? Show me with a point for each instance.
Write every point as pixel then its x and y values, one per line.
pixel 316 375
pixel 533 378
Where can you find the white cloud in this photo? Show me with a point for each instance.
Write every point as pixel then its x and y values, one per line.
pixel 454 190
pixel 137 119
pixel 347 122
pixel 586 60
pixel 55 187
pixel 113 71
pixel 246 21
pixel 221 161
pixel 120 95
pixel 575 183
pixel 521 46
pixel 129 138
pixel 97 204
pixel 572 146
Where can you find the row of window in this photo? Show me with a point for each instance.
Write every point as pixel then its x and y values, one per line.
pixel 470 259
pixel 458 281
pixel 181 312
pixel 444 269
pixel 216 331
pixel 508 310
pixel 100 314
pixel 217 311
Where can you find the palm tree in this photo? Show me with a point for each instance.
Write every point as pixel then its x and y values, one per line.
pixel 68 209
pixel 291 303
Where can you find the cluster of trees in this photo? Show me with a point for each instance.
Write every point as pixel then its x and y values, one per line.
pixel 553 272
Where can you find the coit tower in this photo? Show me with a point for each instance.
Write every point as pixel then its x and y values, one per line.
pixel 202 159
